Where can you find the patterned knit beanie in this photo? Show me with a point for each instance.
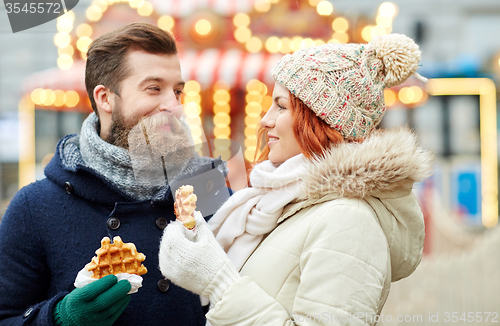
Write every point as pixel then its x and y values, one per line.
pixel 344 83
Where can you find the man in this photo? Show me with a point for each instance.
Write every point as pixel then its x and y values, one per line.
pixel 103 183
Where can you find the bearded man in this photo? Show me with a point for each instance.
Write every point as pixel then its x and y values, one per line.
pixel 113 179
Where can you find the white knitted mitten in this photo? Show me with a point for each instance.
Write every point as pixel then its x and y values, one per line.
pixel 198 264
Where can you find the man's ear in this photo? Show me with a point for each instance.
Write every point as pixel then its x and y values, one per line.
pixel 103 98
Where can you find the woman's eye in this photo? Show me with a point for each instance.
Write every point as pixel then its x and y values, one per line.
pixel 281 107
pixel 154 88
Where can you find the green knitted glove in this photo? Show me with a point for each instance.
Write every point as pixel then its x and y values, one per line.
pixel 99 303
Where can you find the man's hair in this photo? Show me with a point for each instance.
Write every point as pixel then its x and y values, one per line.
pixel 106 56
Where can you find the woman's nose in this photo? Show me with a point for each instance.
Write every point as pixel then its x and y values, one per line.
pixel 268 120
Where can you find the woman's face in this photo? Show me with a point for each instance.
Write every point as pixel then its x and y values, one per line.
pixel 278 123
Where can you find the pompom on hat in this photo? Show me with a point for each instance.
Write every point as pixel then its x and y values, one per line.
pixel 344 83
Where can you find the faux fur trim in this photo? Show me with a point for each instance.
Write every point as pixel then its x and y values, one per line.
pixel 387 161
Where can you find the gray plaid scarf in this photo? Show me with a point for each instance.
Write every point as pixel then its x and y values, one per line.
pixel 114 163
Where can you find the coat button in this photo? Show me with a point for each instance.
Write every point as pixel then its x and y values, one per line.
pixel 68 187
pixel 161 223
pixel 28 312
pixel 163 285
pixel 113 223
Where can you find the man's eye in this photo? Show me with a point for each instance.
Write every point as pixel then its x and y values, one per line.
pixel 154 88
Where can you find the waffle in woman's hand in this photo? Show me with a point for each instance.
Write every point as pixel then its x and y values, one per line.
pixel 184 206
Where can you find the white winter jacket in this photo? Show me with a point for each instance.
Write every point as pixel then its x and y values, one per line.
pixel 331 259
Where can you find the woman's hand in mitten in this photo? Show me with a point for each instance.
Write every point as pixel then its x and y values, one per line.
pixel 199 265
pixel 98 303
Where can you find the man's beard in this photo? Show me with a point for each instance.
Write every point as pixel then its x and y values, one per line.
pixel 157 155
pixel 119 129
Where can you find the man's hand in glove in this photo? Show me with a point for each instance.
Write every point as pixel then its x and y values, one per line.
pixel 199 265
pixel 99 303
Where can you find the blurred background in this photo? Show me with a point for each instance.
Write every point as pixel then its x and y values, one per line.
pixel 227 48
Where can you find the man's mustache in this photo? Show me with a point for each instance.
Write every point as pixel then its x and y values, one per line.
pixel 150 124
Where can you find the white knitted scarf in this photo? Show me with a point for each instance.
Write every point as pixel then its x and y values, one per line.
pixel 249 214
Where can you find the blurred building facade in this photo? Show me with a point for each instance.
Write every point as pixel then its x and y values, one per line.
pixel 227 47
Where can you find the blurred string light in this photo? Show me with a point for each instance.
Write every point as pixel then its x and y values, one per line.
pixel 387 11
pixel 94 12
pixel 276 44
pixel 254 44
pixel 65 61
pixel 83 44
pixel 263 5
pixel 411 96
pixel 324 8
pixel 58 98
pixel 340 26
pixel 192 110
pixel 242 33
pixel 222 120
pixel 166 23
pixel 84 30
pixel 256 91
pixel 146 9
pixel 222 110
pixel 390 97
pixel 203 27
pixel 62 40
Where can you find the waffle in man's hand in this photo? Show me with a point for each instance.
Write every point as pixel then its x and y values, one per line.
pixel 116 258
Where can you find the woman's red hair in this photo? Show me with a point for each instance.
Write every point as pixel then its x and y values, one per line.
pixel 313 135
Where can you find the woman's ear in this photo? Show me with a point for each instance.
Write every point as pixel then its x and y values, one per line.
pixel 103 99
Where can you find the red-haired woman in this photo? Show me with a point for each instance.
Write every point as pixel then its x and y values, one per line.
pixel 330 219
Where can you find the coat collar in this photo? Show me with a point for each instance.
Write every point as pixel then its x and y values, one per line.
pixel 68 167
pixel 385 165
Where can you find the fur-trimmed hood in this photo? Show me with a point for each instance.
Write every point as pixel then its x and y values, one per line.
pixel 381 170
pixel 387 162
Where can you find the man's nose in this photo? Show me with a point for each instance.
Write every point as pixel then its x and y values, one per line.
pixel 171 105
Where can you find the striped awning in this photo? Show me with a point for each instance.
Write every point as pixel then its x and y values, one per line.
pixel 234 67
pixel 55 78
pixel 184 8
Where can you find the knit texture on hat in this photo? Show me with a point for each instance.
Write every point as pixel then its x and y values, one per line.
pixel 344 83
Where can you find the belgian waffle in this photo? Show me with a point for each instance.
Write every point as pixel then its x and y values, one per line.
pixel 116 258
pixel 184 206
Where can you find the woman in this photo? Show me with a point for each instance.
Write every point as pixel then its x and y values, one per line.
pixel 330 219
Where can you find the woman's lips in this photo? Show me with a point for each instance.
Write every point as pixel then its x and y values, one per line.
pixel 272 140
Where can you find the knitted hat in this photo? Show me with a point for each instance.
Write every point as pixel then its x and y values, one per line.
pixel 344 83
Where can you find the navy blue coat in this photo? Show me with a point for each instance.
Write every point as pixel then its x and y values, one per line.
pixel 52 228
